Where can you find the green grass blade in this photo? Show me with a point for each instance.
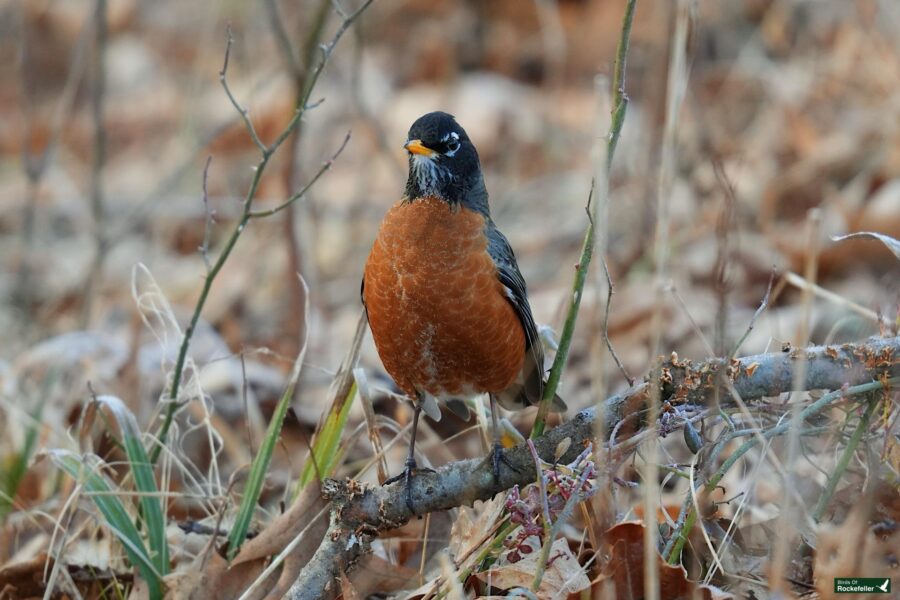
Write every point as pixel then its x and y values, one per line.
pixel 326 446
pixel 325 450
pixel 152 506
pixel 86 471
pixel 260 467
pixel 11 475
pixel 263 458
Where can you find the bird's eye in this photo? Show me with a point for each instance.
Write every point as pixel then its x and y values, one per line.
pixel 452 145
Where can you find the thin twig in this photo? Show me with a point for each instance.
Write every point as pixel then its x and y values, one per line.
pixel 724 228
pixel 620 102
pixel 802 284
pixel 300 68
pixel 365 397
pixel 759 311
pixel 610 290
pixel 561 519
pixel 243 112
pixel 256 214
pixel 266 152
pixel 209 221
pixel 546 524
pixel 327 49
pixel 553 39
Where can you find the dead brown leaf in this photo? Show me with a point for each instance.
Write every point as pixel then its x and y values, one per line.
pixel 348 592
pixel 472 525
pixel 216 578
pixel 563 575
pixel 623 574
pixel 375 574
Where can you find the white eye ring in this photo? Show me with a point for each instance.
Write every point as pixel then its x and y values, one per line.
pixel 452 143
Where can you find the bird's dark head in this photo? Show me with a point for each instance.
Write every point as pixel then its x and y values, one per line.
pixel 443 163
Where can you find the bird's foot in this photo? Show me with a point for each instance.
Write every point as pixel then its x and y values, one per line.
pixel 406 477
pixel 498 457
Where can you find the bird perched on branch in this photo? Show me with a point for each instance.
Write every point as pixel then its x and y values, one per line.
pixel 446 303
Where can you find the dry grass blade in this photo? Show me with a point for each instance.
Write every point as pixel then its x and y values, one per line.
pixel 892 244
pixel 793 512
pixel 800 283
pixel 365 397
pixel 676 87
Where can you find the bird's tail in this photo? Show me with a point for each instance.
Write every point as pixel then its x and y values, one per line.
pixel 516 397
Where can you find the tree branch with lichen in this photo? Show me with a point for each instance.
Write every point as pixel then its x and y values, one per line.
pixel 360 513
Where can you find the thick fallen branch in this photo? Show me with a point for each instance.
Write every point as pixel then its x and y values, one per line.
pixel 361 512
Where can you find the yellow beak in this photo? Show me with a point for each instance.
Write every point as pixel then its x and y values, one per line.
pixel 416 147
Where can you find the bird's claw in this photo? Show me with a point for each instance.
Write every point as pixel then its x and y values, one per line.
pixel 406 476
pixel 498 457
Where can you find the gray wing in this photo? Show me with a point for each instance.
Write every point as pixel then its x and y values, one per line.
pixel 508 271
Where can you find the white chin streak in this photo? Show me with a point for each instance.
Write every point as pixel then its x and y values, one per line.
pixel 428 175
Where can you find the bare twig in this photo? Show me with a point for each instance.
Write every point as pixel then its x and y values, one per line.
pixel 804 285
pixel 365 397
pixel 242 111
pixel 562 518
pixel 724 229
pixel 610 290
pixel 547 526
pixel 266 152
pixel 256 214
pixel 209 221
pixel 553 38
pixel 361 512
pixel 759 311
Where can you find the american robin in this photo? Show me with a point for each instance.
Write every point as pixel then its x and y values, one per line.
pixel 445 300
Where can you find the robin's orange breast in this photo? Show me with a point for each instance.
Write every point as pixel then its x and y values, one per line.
pixel 437 310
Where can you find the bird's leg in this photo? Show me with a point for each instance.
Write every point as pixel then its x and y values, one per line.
pixel 497 456
pixel 411 465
